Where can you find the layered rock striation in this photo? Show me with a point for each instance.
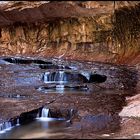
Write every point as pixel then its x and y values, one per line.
pixel 93 31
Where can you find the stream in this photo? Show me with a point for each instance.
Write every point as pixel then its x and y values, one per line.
pixel 49 99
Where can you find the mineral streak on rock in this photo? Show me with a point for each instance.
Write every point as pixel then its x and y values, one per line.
pixel 95 31
pixel 92 31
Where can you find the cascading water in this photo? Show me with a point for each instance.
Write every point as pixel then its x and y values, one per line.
pixel 17 124
pixel 40 121
pixel 47 77
pixel 60 76
pixel 55 77
pixel 44 115
pixel 64 80
pixel 45 112
pixel 5 126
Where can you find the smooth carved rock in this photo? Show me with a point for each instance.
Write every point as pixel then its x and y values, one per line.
pixel 73 30
pixel 133 107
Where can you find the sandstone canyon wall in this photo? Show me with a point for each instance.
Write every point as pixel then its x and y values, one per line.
pixel 94 31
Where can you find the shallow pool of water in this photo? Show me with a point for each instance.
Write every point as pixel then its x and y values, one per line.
pixel 38 129
pixel 23 84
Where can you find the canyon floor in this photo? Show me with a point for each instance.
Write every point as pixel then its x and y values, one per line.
pixel 70 69
pixel 98 113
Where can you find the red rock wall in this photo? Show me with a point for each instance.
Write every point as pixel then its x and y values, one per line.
pixel 109 36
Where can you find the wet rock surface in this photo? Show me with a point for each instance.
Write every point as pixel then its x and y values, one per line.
pixel 94 96
pixel 92 113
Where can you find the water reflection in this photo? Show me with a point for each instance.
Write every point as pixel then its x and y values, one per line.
pixel 37 129
pixel 97 112
pixel 34 124
pixel 65 89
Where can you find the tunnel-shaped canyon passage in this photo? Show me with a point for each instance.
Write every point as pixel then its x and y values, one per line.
pixel 67 68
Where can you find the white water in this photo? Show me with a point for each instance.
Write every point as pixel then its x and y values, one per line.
pixel 17 122
pixel 46 77
pixel 6 126
pixel 37 129
pixel 45 112
pixel 45 116
pixel 40 128
pixel 57 77
pixel 61 76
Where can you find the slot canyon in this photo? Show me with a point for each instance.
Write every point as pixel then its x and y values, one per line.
pixel 70 69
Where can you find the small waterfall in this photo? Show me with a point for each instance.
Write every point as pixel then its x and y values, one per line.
pixel 44 115
pixel 47 77
pixel 17 122
pixel 45 112
pixel 55 77
pixel 8 125
pixel 5 126
pixel 60 76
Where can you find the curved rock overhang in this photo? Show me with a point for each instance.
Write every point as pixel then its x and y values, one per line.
pixel 93 31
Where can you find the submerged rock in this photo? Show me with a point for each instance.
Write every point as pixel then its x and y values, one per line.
pixel 94 33
pixel 99 122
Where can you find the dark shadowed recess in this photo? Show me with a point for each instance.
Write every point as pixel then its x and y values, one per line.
pixel 25 61
pixel 53 66
pixel 97 78
pixel 30 116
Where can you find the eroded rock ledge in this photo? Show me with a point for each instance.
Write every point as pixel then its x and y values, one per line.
pixel 95 31
pixel 46 12
pixel 77 31
pixel 23 77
